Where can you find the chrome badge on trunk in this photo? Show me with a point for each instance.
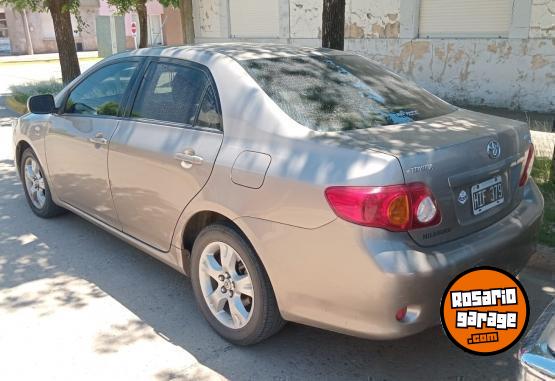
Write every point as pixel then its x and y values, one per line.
pixel 493 149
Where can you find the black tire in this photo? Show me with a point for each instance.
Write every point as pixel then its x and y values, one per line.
pixel 49 209
pixel 266 319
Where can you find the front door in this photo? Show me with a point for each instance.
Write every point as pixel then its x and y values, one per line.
pixel 163 154
pixel 77 143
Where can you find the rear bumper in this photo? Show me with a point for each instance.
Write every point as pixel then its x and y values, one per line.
pixel 353 279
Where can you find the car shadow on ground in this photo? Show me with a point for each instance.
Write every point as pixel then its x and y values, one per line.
pixel 67 248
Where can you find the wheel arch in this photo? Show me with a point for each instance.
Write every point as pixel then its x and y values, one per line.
pixel 197 222
pixel 21 146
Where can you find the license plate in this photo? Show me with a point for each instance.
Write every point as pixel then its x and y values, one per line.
pixel 487 195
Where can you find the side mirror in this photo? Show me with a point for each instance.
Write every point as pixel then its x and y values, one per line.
pixel 41 104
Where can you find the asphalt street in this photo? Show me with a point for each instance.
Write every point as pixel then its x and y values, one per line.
pixel 77 303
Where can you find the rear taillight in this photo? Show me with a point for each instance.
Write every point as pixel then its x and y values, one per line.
pixel 393 207
pixel 528 163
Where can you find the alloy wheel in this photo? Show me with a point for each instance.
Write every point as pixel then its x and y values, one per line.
pixel 226 285
pixel 34 182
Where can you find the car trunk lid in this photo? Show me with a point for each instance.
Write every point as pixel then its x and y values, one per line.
pixel 450 155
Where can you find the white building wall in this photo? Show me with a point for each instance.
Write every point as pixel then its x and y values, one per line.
pixel 209 17
pixel 542 19
pixel 516 72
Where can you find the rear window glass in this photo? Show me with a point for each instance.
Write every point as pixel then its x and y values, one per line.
pixel 343 92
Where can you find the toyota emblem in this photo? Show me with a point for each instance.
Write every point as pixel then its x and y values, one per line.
pixel 493 149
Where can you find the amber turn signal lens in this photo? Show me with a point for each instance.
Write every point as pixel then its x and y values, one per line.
pixel 398 211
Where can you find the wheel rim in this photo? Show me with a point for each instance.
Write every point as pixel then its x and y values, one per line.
pixel 34 182
pixel 226 285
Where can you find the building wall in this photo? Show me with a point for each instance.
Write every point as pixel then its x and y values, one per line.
pixel 173 34
pixel 363 18
pixel 42 30
pixel 516 72
pixel 542 20
pixel 153 8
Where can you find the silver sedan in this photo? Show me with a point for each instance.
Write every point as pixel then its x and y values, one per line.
pixel 291 184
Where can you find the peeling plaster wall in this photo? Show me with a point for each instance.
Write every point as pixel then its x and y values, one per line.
pixel 363 18
pixel 516 74
pixel 209 13
pixel 306 18
pixel 542 19
pixel 372 19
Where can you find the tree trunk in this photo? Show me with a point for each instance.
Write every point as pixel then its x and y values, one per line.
pixel 187 26
pixel 143 23
pixel 333 24
pixel 64 40
pixel 28 41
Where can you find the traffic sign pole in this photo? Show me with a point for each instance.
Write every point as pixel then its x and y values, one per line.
pixel 134 32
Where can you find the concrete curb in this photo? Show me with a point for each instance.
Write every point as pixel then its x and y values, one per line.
pixel 543 259
pixel 15 106
pixel 44 57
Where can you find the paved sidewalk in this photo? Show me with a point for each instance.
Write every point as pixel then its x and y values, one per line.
pixel 18 73
pixel 43 57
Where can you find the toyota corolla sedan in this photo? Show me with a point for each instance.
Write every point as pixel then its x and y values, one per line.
pixel 290 184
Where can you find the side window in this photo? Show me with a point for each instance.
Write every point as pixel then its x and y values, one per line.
pixel 101 93
pixel 208 115
pixel 170 93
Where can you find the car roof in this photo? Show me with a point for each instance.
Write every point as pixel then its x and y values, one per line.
pixel 238 51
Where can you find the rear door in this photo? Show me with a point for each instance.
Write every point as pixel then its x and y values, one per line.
pixel 162 154
pixel 77 142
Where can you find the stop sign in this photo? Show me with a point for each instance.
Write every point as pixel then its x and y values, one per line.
pixel 134 28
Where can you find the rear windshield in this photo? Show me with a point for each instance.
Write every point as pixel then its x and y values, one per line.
pixel 342 92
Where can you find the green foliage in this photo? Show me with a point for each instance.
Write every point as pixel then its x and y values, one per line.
pixel 541 171
pixel 124 6
pixel 541 174
pixel 108 108
pixel 22 92
pixel 32 5
pixel 170 3
pixel 547 231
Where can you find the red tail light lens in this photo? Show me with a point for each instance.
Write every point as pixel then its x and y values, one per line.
pixel 527 167
pixel 401 314
pixel 394 207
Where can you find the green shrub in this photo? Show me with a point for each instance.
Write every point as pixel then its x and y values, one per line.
pixel 541 171
pixel 547 232
pixel 22 92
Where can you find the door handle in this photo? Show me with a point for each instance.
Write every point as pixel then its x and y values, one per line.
pixel 99 139
pixel 188 158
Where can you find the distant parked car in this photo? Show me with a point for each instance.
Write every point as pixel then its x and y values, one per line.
pixel 537 354
pixel 296 184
